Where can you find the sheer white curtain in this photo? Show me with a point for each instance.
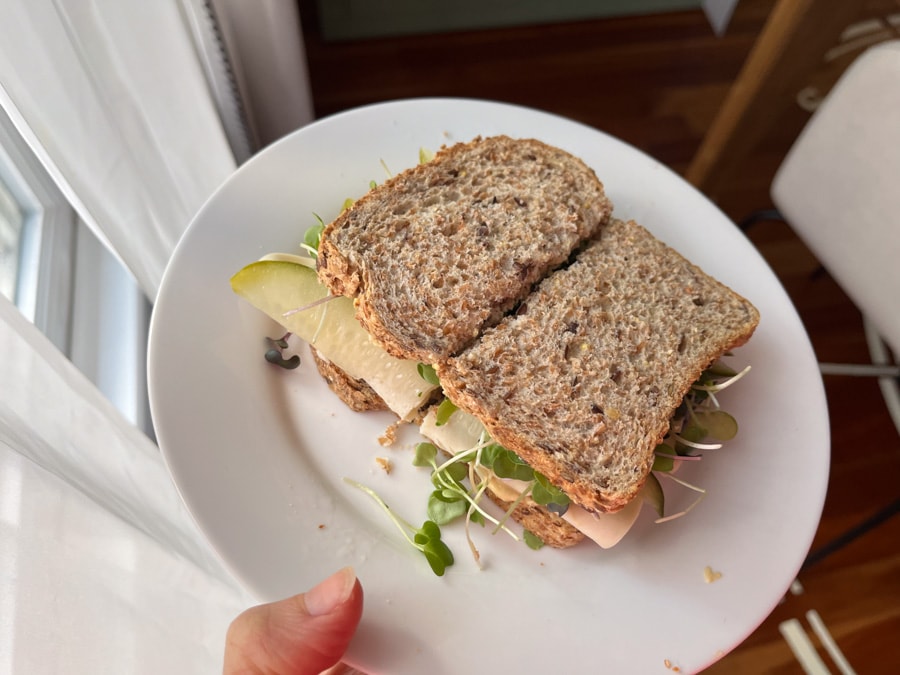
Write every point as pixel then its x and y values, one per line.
pixel 112 97
pixel 101 568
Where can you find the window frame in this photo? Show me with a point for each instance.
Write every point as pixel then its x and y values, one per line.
pixel 72 288
pixel 46 241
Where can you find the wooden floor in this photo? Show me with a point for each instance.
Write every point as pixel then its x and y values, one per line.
pixel 656 82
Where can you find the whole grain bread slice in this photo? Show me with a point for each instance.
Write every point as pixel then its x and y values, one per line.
pixel 582 381
pixel 440 251
pixel 550 528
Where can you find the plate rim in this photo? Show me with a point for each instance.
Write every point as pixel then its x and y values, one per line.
pixel 364 111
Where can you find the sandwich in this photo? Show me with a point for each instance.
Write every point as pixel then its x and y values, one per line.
pixel 550 333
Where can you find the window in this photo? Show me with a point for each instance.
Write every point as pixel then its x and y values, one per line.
pixel 61 277
pixel 40 232
pixel 67 283
pixel 10 233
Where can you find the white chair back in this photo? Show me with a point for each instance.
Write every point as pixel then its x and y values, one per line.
pixel 839 186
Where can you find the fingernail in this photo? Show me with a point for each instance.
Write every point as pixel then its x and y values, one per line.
pixel 331 593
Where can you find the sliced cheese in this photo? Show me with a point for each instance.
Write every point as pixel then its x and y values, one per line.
pixel 463 431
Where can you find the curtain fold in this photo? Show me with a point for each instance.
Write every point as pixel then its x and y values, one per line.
pixel 101 567
pixel 52 415
pixel 111 97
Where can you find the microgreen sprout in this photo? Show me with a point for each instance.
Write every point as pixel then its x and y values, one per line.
pixel 453 497
pixel 507 464
pixel 275 353
pixel 698 417
pixel 444 410
pixel 313 237
pixel 549 495
pixel 654 495
pixel 427 373
pixel 667 453
pixel 695 445
pixel 447 479
pixel 280 343
pixel 511 508
pixel 426 539
pixel 275 357
pixel 683 483
pixel 716 387
pixel 312 305
pixel 533 541
pixel 664 458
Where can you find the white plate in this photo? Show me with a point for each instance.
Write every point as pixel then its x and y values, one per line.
pixel 259 453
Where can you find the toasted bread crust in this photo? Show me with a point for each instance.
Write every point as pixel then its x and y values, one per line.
pixel 356 393
pixel 442 250
pixel 583 382
pixel 546 526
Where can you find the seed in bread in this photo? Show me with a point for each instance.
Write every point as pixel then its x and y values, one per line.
pixel 583 381
pixel 442 250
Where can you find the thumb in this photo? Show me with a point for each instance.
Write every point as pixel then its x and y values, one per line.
pixel 303 634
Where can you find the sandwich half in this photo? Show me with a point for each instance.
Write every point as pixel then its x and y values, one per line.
pixel 441 251
pixel 582 381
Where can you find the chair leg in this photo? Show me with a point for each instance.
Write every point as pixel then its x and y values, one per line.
pixel 881 355
pixel 759 216
pixel 852 534
pixel 860 369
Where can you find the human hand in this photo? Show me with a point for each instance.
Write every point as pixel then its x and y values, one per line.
pixel 302 635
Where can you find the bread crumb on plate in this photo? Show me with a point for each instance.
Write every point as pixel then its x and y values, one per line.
pixel 710 575
pixel 390 434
